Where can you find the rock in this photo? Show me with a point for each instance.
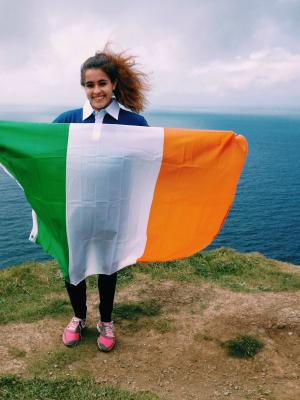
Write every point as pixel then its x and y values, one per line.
pixel 289 317
pixel 281 325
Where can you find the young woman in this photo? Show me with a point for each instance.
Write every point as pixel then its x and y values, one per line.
pixel 108 79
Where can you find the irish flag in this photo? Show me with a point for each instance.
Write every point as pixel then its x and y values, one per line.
pixel 108 196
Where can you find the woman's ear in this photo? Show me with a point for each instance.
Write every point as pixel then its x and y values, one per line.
pixel 114 85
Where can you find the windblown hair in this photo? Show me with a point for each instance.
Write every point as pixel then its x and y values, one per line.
pixel 132 84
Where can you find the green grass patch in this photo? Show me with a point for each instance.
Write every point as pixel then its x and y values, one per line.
pixel 205 337
pixel 163 325
pixel 30 292
pixel 36 309
pixel 133 316
pixel 12 388
pixel 126 276
pixel 138 315
pixel 180 270
pixel 244 346
pixel 243 272
pixel 133 311
pixel 15 352
pixel 57 362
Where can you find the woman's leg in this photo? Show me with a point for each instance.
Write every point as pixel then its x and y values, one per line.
pixel 107 288
pixel 77 296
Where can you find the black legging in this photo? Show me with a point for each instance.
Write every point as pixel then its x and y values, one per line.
pixel 106 287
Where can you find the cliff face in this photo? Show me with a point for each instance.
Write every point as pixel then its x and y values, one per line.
pixel 173 321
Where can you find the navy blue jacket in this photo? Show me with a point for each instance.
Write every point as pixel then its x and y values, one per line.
pixel 125 118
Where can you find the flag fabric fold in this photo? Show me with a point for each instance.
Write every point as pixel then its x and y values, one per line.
pixel 108 196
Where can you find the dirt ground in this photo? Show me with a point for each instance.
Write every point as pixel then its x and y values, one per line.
pixel 187 361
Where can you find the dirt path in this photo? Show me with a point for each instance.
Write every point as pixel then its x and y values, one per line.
pixel 184 362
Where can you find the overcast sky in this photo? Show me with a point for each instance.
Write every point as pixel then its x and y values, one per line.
pixel 198 52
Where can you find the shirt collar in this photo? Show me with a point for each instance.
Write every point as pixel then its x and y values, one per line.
pixel 112 109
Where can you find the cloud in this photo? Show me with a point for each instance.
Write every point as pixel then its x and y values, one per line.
pixel 259 69
pixel 197 52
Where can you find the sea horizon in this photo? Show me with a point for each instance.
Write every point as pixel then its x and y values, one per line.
pixel 228 109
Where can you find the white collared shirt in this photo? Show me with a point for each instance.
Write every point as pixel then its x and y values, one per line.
pixel 112 109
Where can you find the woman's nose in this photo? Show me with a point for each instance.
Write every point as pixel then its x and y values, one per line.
pixel 97 89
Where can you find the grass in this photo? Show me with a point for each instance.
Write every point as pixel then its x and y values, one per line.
pixel 125 276
pixel 57 361
pixel 132 315
pixel 34 309
pixel 133 311
pixel 12 388
pixel 249 272
pixel 245 346
pixel 30 292
pixel 201 337
pixel 180 270
pixel 15 352
pixel 163 325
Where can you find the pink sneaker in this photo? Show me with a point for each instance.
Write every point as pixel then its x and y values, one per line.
pixel 72 333
pixel 106 339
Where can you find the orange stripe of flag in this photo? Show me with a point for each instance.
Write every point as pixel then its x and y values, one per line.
pixel 194 191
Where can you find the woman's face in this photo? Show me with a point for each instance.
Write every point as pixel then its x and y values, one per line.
pixel 98 88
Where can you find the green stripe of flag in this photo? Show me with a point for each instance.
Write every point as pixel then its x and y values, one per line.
pixel 38 151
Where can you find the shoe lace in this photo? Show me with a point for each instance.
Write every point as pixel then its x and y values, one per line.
pixel 73 324
pixel 108 328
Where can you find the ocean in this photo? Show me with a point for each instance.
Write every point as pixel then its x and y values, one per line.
pixel 265 216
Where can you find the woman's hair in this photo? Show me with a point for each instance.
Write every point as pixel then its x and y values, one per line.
pixel 132 84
